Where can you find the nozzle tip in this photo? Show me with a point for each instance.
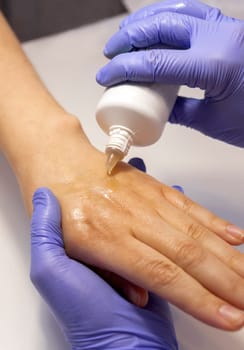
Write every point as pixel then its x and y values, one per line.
pixel 112 160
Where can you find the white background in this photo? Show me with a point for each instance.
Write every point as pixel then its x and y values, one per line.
pixel 210 172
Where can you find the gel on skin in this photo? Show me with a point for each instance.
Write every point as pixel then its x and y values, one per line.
pixel 133 114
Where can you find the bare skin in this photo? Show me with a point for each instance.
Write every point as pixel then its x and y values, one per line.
pixel 130 224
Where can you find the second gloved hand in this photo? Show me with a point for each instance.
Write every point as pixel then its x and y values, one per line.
pixel 208 53
pixel 90 313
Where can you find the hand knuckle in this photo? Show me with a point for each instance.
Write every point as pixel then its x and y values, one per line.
pixel 213 219
pixel 189 254
pixel 162 273
pixel 195 231
pixel 154 60
pixel 234 260
pixel 187 205
pixel 166 191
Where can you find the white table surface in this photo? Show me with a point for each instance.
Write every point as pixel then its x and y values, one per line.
pixel 210 172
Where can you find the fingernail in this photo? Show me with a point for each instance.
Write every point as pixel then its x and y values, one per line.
pixel 136 297
pixel 144 298
pixel 231 314
pixel 235 232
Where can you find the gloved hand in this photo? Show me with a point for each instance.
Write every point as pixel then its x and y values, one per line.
pixel 90 313
pixel 208 53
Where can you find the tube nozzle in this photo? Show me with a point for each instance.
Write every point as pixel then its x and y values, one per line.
pixel 113 157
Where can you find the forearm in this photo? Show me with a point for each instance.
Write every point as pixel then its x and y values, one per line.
pixel 30 118
pixel 24 101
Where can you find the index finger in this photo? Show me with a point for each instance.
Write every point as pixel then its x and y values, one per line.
pixel 187 7
pixel 165 29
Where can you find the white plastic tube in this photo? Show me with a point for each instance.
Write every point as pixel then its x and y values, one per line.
pixel 134 114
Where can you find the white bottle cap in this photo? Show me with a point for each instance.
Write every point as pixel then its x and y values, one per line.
pixel 120 140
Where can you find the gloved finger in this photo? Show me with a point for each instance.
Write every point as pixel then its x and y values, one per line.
pixel 178 188
pixel 160 307
pixel 46 219
pixel 193 113
pixel 187 111
pixel 130 291
pixel 192 8
pixel 162 66
pixel 169 29
pixel 202 116
pixel 46 239
pixel 138 163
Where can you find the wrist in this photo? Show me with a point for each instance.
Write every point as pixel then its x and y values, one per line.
pixel 24 134
pixel 46 154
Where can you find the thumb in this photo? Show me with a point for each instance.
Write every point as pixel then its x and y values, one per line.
pixel 47 248
pixel 46 218
pixel 189 112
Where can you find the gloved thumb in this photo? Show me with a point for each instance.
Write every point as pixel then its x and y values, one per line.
pixel 210 118
pixel 138 163
pixel 47 248
pixel 178 188
pixel 192 113
pixel 46 218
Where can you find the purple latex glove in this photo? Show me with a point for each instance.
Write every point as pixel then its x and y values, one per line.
pixel 208 53
pixel 90 313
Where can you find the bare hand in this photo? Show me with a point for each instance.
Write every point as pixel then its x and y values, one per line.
pixel 146 232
